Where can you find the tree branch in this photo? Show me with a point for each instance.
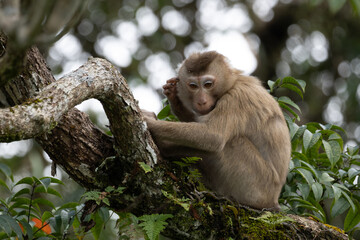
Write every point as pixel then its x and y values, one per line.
pixel 96 79
pixel 41 114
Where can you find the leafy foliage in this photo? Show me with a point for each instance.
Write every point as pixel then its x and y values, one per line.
pixel 154 224
pixel 102 196
pixel 26 214
pixel 21 213
pixel 165 113
pixel 323 178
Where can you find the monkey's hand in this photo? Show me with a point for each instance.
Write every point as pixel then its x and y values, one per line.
pixel 169 90
pixel 150 121
pixel 148 114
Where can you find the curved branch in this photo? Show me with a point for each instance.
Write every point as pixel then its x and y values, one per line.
pixel 41 114
pixel 95 79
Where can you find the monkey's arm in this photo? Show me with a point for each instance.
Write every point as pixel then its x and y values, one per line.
pixel 194 135
pixel 170 150
pixel 183 114
pixel 177 107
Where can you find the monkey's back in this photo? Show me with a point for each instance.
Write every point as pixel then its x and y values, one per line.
pixel 253 165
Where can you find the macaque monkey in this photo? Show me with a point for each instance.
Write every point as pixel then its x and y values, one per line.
pixel 233 124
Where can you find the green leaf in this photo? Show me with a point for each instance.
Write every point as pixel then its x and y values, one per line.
pixel 287 108
pixel 41 189
pixel 4 225
pixel 109 189
pixel 352 218
pixel 293 88
pixel 53 180
pixel 183 202
pixel 43 201
pixel 9 224
pixel 333 151
pixel 289 102
pixel 317 189
pixel 23 191
pixel 352 150
pixel 352 173
pixel 104 214
pixel 3 183
pixel 334 136
pixel 165 112
pixel 320 213
pixel 334 127
pixel 25 180
pixel 145 167
pixel 92 195
pixel 306 139
pixel 19 202
pixel 311 168
pixel 119 190
pixel 70 205
pixel 313 126
pixel 339 206
pixel 310 140
pixel 271 85
pixel 306 174
pixel 106 201
pixel 299 158
pixel 154 224
pixel 5 169
pixel 325 178
pixel 293 127
pixel 314 139
pixel 336 5
pixel 308 205
pixel 27 227
pixel 350 201
pixel 300 83
pixel 45 182
pixel 46 215
pixel 304 190
pixel 337 192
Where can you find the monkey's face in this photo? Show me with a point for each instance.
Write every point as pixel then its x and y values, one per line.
pixel 197 92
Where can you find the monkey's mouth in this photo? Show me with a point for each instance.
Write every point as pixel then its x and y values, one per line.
pixel 204 110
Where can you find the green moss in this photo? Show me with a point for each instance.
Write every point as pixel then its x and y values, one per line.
pixel 215 217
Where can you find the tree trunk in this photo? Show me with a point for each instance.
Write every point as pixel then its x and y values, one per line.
pixel 34 105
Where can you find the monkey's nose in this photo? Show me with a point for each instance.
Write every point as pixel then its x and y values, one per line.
pixel 202 103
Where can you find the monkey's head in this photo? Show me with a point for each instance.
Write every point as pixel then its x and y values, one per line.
pixel 203 79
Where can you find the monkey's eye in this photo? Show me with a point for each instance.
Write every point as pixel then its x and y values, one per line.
pixel 208 84
pixel 193 85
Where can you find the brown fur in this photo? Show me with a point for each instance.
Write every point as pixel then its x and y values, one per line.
pixel 198 63
pixel 244 140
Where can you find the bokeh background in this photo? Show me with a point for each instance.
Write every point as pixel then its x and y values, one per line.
pixel 317 41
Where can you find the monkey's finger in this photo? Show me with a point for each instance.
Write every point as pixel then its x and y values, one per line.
pixel 169 85
pixel 172 80
pixel 166 93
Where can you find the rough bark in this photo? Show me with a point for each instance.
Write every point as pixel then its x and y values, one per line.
pixel 96 160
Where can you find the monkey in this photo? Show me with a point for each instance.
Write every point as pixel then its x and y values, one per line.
pixel 232 123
